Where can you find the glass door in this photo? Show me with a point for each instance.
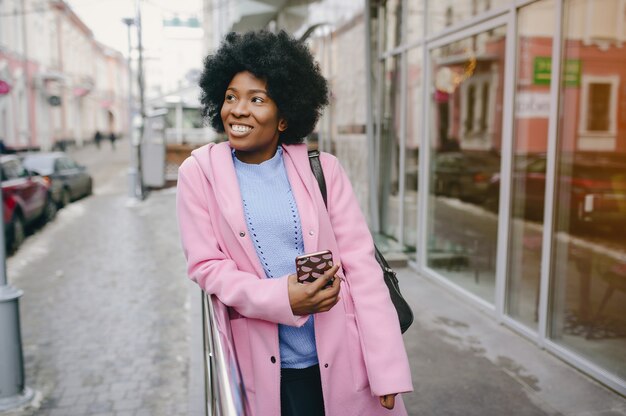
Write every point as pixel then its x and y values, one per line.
pixel 465 141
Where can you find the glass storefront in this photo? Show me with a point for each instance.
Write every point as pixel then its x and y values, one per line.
pixel 392 12
pixel 414 19
pixel 588 296
pixel 389 148
pixel 535 33
pixel 414 117
pixel 465 142
pixel 439 85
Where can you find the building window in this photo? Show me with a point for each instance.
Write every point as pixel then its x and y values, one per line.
pixel 469 117
pixel 599 105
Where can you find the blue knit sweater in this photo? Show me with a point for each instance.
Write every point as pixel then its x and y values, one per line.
pixel 274 226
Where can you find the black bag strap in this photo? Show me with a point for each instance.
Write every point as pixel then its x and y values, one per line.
pixel 316 167
pixel 405 314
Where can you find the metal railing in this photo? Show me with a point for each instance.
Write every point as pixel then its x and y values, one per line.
pixel 224 390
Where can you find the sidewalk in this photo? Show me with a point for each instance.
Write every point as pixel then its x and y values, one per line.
pixel 464 363
pixel 110 323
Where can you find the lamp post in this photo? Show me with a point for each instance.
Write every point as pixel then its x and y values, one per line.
pixel 134 181
pixel 142 101
pixel 13 391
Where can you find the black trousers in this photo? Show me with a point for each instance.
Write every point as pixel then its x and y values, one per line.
pixel 301 392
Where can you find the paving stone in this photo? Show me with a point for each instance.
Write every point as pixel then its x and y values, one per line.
pixel 128 404
pixel 100 407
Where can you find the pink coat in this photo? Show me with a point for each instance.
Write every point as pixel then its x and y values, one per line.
pixel 359 344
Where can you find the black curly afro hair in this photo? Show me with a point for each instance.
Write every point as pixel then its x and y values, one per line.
pixel 294 80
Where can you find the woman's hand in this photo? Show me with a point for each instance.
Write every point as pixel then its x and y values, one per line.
pixel 388 401
pixel 311 298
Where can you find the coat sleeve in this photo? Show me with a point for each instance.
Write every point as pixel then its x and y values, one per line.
pixel 212 269
pixel 383 348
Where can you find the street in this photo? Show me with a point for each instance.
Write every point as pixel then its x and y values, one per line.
pixel 103 316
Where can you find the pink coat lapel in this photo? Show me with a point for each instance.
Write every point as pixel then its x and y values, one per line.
pixel 216 162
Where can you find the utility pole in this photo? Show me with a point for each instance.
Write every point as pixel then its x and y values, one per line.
pixel 142 103
pixel 13 391
pixel 27 76
pixel 134 182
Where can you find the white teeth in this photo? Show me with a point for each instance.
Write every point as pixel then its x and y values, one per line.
pixel 241 129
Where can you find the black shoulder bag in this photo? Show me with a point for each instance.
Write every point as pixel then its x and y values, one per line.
pixel 405 314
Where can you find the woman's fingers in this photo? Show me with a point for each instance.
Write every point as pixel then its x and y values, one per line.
pixel 388 401
pixel 314 297
pixel 323 281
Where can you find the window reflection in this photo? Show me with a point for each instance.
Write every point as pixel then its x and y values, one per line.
pixel 466 129
pixel 530 140
pixel 393 15
pixel 588 302
pixel 414 20
pixel 389 149
pixel 445 13
pixel 414 127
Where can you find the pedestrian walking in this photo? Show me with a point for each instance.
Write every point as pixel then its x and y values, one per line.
pixel 97 138
pixel 112 139
pixel 249 206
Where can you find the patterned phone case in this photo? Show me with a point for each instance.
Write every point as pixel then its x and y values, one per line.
pixel 310 267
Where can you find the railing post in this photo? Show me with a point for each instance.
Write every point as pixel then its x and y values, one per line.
pixel 225 394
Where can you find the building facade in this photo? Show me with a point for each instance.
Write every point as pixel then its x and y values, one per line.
pixel 62 84
pixel 486 140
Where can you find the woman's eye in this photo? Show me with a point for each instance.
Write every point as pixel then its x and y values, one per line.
pixel 257 100
pixel 230 97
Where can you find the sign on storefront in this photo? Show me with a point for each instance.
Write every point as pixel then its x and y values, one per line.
pixel 5 88
pixel 542 71
pixel 532 105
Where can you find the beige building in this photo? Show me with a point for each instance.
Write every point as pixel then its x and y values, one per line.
pixel 64 85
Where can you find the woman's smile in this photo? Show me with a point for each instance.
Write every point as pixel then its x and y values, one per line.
pixel 240 130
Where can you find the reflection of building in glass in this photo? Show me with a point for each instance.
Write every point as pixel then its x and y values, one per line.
pixel 491 155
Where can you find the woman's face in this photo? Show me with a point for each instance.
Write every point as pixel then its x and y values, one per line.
pixel 251 118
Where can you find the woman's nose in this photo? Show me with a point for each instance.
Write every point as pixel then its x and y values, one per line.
pixel 240 109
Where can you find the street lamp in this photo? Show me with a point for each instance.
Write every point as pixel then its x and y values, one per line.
pixel 142 101
pixel 134 180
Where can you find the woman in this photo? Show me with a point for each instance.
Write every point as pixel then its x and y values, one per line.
pixel 247 207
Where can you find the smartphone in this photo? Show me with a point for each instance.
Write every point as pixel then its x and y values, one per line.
pixel 312 266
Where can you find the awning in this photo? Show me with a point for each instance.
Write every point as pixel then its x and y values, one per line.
pixel 256 14
pixel 5 87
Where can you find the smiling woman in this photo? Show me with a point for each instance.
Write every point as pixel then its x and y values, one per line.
pixel 247 208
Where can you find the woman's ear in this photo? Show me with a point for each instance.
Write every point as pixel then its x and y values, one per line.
pixel 282 125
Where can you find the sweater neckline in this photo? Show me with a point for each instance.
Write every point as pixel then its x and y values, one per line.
pixel 267 167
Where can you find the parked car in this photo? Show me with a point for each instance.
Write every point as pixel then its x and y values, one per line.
pixel 464 175
pixel 594 189
pixel 68 180
pixel 26 200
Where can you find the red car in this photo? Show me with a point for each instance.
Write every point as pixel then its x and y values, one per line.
pixel 593 190
pixel 26 200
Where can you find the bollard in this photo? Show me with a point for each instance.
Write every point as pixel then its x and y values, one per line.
pixel 13 392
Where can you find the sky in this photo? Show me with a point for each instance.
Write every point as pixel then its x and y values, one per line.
pixel 104 18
